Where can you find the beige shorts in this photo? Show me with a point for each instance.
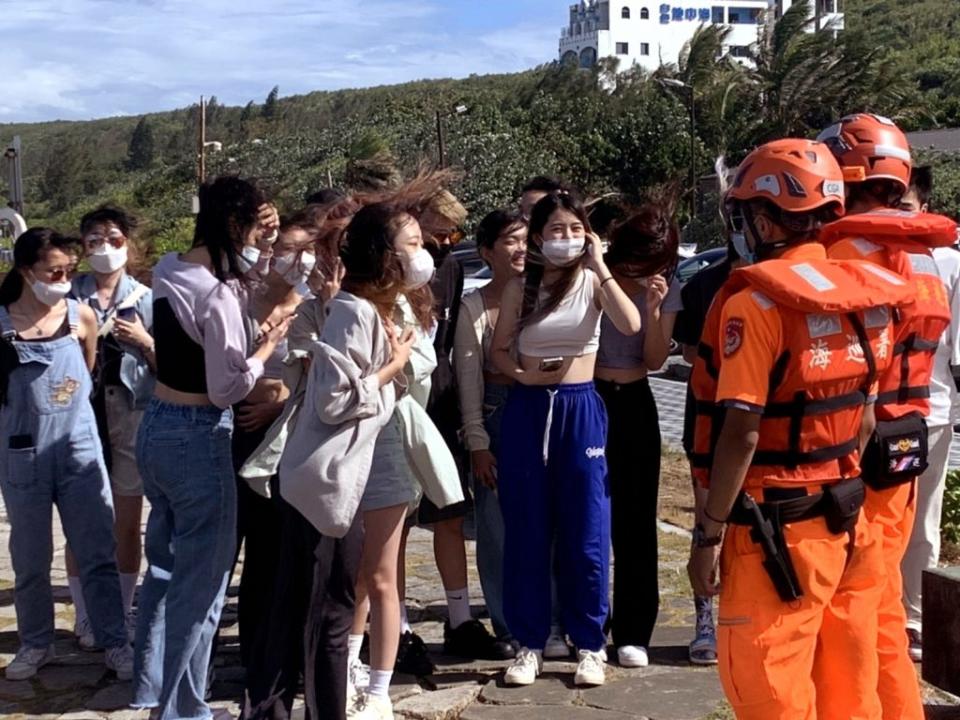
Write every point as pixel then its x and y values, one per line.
pixel 122 426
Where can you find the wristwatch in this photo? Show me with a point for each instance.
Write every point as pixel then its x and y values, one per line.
pixel 701 540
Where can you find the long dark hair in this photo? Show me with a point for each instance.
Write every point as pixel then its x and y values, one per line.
pixel 228 209
pixel 373 267
pixel 647 241
pixel 29 249
pixel 532 310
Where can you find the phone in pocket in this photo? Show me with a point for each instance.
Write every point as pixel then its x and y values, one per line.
pixel 551 364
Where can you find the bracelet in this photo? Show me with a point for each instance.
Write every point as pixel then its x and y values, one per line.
pixel 606 280
pixel 710 517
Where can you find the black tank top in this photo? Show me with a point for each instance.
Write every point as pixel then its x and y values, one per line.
pixel 180 360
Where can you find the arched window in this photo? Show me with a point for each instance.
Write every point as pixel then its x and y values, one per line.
pixel 625 13
pixel 644 14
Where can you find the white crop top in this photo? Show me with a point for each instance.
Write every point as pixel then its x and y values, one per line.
pixel 572 330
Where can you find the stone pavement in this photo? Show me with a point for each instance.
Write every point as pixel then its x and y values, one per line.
pixel 77 687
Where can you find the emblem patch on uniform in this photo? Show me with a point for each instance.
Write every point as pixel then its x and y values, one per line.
pixel 732 336
pixel 823 325
pixel 62 394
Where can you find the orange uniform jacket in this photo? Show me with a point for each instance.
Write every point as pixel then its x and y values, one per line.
pixel 801 340
pixel 902 242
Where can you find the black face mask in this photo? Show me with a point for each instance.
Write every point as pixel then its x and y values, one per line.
pixel 438 252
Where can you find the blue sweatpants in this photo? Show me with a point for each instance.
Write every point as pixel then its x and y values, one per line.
pixel 553 484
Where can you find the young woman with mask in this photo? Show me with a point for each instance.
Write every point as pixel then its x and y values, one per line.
pixel 502 242
pixel 643 249
pixel 124 378
pixel 50 453
pixel 551 464
pixel 272 301
pixel 183 447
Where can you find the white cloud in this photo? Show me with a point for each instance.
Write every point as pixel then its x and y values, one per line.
pixel 79 59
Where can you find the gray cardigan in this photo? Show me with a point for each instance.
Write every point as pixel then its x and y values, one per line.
pixel 327 459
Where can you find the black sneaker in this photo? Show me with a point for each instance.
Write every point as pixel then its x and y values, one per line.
pixel 471 640
pixel 413 658
pixel 915 649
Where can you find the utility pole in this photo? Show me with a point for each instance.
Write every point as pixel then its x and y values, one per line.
pixel 440 143
pixel 14 174
pixel 202 144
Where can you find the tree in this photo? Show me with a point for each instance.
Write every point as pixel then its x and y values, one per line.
pixel 140 152
pixel 68 175
pixel 269 109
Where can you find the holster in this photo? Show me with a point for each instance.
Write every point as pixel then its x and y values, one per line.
pixel 768 533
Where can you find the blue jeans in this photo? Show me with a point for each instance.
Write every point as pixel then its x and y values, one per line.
pixel 184 455
pixel 489 519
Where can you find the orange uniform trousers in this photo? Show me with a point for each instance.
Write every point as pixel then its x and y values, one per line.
pixel 812 658
pixel 891 513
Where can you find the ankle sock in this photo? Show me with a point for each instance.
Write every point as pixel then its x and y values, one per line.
pixel 458 607
pixel 354 643
pixel 404 621
pixel 380 683
pixel 128 587
pixel 79 604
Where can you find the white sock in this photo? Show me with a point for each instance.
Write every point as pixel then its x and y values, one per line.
pixel 79 604
pixel 128 586
pixel 354 643
pixel 458 607
pixel 380 683
pixel 404 621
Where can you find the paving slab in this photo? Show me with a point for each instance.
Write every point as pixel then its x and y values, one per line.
pixel 112 697
pixel 546 690
pixel 677 695
pixel 66 677
pixel 479 711
pixel 438 705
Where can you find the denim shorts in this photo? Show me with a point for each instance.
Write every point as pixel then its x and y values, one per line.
pixel 390 482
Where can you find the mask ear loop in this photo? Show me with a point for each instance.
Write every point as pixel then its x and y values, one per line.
pixel 762 250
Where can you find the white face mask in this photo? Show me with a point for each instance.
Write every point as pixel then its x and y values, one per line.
pixel 50 293
pixel 108 259
pixel 248 258
pixel 294 268
pixel 563 251
pixel 418 269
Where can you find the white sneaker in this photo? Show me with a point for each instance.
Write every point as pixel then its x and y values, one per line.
pixel 590 670
pixel 371 707
pixel 85 637
pixel 120 660
pixel 632 656
pixel 525 668
pixel 28 661
pixel 358 680
pixel 556 647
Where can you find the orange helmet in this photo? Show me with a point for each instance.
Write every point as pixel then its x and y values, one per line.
pixel 870 147
pixel 795 175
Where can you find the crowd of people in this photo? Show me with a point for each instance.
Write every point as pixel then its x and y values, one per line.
pixel 312 386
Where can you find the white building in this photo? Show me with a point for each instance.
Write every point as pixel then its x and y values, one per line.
pixel 652 33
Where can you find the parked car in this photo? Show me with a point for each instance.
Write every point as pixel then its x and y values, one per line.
pixel 692 265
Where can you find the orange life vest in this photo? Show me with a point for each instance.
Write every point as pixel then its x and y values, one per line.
pixel 836 338
pixel 902 242
pixel 703 385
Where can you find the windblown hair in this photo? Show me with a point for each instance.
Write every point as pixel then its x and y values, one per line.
pixel 921 182
pixel 373 267
pixel 645 244
pixel 496 224
pixel 228 210
pixel 533 309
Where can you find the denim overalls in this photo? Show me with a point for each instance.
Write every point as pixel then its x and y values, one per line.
pixel 50 454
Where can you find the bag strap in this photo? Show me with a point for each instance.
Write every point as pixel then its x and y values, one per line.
pixel 129 301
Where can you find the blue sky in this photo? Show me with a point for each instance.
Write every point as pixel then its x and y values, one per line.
pixel 80 59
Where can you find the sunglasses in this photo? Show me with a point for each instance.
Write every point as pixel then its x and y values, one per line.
pixel 451 236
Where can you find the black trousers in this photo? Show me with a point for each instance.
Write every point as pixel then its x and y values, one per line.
pixel 307 626
pixel 633 459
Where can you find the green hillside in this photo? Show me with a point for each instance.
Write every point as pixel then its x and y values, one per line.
pixel 606 132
